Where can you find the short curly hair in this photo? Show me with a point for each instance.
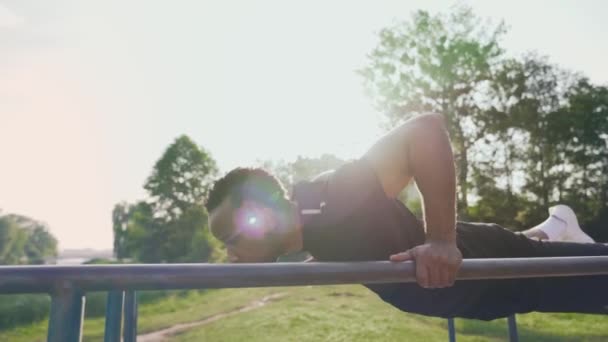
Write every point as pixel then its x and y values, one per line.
pixel 244 183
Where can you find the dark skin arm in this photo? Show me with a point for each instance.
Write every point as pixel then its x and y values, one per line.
pixel 420 150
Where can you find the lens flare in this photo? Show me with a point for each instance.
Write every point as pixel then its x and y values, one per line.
pixel 250 224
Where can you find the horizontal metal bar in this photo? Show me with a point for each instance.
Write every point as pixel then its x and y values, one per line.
pixel 24 279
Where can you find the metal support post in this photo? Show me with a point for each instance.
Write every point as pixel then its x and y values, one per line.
pixel 130 320
pixel 67 311
pixel 113 316
pixel 451 330
pixel 513 335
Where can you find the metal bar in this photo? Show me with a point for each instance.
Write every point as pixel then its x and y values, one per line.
pixel 113 316
pixel 513 335
pixel 67 311
pixel 451 330
pixel 25 279
pixel 130 323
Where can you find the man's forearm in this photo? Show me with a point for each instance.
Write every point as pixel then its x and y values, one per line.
pixel 432 165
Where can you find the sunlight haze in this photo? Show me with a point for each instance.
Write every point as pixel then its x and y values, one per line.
pixel 91 93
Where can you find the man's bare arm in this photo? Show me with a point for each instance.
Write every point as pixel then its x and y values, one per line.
pixel 432 166
pixel 420 149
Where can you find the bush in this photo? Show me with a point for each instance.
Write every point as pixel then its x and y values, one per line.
pixel 23 309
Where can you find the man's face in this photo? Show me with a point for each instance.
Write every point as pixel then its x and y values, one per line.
pixel 249 232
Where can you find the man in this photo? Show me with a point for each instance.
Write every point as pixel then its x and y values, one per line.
pixel 352 214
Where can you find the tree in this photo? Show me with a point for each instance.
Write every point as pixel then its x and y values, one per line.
pixel 12 242
pixel 40 245
pixel 121 215
pixel 442 64
pixel 137 234
pixel 526 133
pixel 189 238
pixel 182 177
pixel 281 169
pixel 495 203
pixel 546 130
pixel 587 150
pixel 517 145
pixel 303 168
pixel 171 225
pixel 25 241
pixel 542 120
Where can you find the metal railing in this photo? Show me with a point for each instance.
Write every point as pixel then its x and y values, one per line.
pixel 68 285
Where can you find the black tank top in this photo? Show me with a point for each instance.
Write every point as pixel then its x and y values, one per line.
pixel 347 217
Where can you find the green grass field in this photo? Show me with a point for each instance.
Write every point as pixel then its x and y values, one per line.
pixel 322 313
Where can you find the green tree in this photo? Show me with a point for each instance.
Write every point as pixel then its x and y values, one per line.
pixel 496 203
pixel 190 239
pixel 137 234
pixel 546 129
pixel 40 245
pixel 306 168
pixel 587 148
pixel 500 157
pixel 25 241
pixel 542 120
pixel 303 168
pixel 442 64
pixel 121 215
pixel 281 170
pixel 181 178
pixel 12 242
pixel 171 226
pixel 526 133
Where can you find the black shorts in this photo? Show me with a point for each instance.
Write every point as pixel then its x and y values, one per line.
pixel 493 298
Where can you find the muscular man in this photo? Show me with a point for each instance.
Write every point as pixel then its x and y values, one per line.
pixel 352 214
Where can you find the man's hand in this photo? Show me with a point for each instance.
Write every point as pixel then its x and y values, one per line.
pixel 437 263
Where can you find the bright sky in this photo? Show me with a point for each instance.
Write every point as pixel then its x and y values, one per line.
pixel 92 92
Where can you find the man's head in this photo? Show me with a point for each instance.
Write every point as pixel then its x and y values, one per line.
pixel 249 212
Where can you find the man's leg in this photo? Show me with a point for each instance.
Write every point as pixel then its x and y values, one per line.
pixel 584 294
pixel 557 294
pixel 489 299
pixel 568 294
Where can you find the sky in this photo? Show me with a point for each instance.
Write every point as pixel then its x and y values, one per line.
pixel 91 93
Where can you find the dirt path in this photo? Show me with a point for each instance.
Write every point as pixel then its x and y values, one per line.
pixel 164 334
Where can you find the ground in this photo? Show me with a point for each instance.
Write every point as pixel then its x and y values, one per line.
pixel 318 313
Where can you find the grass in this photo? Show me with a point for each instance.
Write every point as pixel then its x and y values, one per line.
pixel 323 313
pixel 351 313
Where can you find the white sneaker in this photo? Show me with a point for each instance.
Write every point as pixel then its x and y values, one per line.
pixel 573 232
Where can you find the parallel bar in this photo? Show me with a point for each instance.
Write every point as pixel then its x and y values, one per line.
pixel 130 322
pixel 24 279
pixel 513 335
pixel 451 330
pixel 113 316
pixel 67 310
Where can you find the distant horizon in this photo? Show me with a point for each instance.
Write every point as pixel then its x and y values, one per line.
pixel 92 93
